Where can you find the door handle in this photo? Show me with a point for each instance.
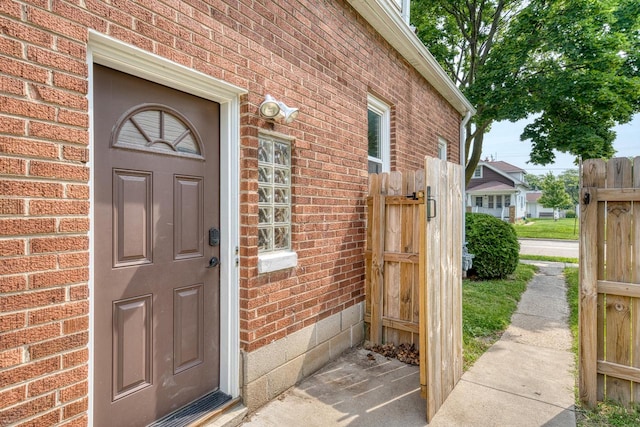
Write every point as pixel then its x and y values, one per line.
pixel 213 262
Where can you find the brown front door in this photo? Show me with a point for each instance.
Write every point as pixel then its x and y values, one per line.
pixel 156 304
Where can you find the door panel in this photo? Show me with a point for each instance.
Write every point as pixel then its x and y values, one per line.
pixel 156 334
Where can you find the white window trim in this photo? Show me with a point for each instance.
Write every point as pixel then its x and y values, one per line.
pixel 118 55
pixel 442 148
pixel 478 168
pixel 381 108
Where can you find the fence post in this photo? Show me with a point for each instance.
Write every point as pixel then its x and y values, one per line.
pixel 377 265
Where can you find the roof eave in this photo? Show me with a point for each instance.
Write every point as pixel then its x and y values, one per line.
pixel 388 22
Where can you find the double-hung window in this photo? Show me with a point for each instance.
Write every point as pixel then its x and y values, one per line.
pixel 379 135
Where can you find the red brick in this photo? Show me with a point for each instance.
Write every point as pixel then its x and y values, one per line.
pixel 26 264
pixel 75 408
pixel 73 225
pixel 21 337
pixel 56 61
pixel 27 147
pixel 48 419
pixel 9 322
pixel 11 166
pixel 27 409
pixel 75 153
pixel 59 244
pixel 82 16
pixel 79 259
pixel 71 48
pixel 58 312
pixel 30 370
pixel 77 191
pixel 31 299
pixel 56 278
pixel 12 207
pixel 58 133
pixel 79 324
pixel 25 71
pixel 55 24
pixel 31 189
pixel 58 207
pixel 75 358
pixel 74 392
pixel 74 118
pixel 80 292
pixel 58 381
pixel 10 47
pixel 12 396
pixel 66 81
pixel 10 358
pixel 80 421
pixel 12 85
pixel 11 247
pixel 59 345
pixel 19 107
pixel 59 170
pixel 11 8
pixel 12 283
pixel 14 227
pixel 12 125
pixel 63 98
pixel 26 33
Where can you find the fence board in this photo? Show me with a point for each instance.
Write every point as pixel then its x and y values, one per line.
pixel 610 282
pixel 618 316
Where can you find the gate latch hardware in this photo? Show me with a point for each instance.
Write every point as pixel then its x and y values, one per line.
pixel 586 198
pixel 431 212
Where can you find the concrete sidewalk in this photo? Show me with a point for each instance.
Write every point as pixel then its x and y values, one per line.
pixel 525 379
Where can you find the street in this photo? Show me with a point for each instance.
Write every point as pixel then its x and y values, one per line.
pixel 560 248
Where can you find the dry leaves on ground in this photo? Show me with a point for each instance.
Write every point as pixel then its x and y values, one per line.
pixel 406 353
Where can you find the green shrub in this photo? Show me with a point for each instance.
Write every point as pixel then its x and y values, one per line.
pixel 570 214
pixel 494 244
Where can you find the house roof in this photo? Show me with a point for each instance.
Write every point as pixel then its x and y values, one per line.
pixel 384 17
pixel 505 167
pixel 492 186
pixel 533 196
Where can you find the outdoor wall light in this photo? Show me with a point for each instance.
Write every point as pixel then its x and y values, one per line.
pixel 277 110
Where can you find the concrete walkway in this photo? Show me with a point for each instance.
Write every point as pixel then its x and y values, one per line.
pixel 525 379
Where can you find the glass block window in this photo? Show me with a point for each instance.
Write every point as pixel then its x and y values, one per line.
pixel 274 194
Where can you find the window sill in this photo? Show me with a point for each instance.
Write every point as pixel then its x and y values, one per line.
pixel 277 261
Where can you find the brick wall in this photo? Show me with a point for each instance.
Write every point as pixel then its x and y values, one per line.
pixel 318 56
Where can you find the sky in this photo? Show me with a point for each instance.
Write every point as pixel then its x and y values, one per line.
pixel 503 143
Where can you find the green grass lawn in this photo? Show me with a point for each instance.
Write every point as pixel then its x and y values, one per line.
pixel 487 307
pixel 606 413
pixel 545 228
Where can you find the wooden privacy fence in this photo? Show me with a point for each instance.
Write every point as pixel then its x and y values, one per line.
pixel 414 270
pixel 609 318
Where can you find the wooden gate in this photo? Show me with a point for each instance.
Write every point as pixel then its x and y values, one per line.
pixel 414 270
pixel 609 318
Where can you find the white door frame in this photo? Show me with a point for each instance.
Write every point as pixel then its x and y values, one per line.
pixel 120 56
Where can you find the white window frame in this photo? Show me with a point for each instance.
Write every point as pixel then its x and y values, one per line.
pixel 477 173
pixel 384 111
pixel 442 148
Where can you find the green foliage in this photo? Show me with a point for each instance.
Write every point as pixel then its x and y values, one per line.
pixel 543 228
pixel 494 244
pixel 570 214
pixel 553 193
pixel 571 180
pixel 572 65
pixel 533 181
pixel 487 307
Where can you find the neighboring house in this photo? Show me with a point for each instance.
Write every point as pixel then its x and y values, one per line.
pixel 536 210
pixel 494 187
pixel 133 156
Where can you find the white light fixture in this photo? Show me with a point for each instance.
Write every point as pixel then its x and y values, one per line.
pixel 277 110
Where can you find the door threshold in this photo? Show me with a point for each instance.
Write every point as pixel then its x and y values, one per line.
pixel 198 411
